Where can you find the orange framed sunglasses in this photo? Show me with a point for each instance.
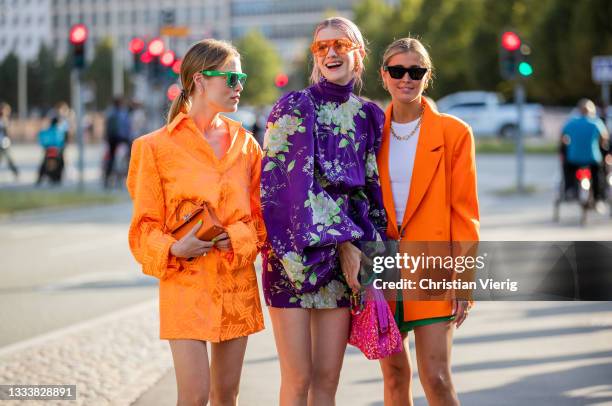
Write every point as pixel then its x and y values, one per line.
pixel 340 45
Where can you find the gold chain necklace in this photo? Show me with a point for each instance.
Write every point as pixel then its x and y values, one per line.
pixel 414 130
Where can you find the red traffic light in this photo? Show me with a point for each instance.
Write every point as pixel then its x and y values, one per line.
pixel 136 45
pixel 146 57
pixel 510 41
pixel 78 34
pixel 281 80
pixel 167 58
pixel 173 91
pixel 156 47
pixel 176 66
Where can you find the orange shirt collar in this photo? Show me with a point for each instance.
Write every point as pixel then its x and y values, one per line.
pixel 232 124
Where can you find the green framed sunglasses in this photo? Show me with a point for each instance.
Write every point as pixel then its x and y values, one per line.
pixel 232 77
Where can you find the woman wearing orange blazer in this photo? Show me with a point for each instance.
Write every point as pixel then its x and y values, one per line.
pixel 428 178
pixel 207 289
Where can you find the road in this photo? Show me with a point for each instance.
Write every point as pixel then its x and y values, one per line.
pixel 69 286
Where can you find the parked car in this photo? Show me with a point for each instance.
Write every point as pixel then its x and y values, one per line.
pixel 489 115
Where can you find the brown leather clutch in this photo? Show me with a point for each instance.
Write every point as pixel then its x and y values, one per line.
pixel 211 226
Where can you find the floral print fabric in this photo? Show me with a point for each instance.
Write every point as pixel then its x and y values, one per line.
pixel 319 188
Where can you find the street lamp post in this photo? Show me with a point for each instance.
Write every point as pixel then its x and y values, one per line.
pixel 515 66
pixel 78 37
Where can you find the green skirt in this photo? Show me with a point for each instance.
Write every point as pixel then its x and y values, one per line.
pixel 406 326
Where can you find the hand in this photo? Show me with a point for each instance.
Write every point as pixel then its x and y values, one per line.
pixel 461 309
pixel 223 242
pixel 350 262
pixel 191 246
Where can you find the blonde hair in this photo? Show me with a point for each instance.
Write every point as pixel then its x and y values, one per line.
pixel 408 44
pixel 352 32
pixel 208 54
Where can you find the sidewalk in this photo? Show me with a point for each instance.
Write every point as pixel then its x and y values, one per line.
pixel 507 353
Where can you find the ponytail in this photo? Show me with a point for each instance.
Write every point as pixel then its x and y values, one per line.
pixel 179 104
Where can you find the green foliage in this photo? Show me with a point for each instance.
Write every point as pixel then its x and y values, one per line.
pixel 40 79
pixel 13 200
pixel 372 16
pixel 8 80
pixel 462 37
pixel 49 79
pixel 99 74
pixel 262 63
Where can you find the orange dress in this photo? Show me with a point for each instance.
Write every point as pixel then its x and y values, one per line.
pixel 215 297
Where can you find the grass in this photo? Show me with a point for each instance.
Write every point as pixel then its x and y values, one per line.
pixel 501 146
pixel 15 200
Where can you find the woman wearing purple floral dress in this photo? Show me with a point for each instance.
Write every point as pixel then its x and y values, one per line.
pixel 321 196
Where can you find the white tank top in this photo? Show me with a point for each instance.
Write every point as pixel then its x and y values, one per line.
pixel 401 164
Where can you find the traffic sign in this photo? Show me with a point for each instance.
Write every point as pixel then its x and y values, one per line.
pixel 174 31
pixel 601 69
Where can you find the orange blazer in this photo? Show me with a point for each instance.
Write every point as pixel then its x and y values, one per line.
pixel 215 297
pixel 443 203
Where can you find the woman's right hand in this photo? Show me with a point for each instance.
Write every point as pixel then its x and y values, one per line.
pixel 191 246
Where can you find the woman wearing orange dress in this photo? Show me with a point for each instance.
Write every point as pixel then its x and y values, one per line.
pixel 208 289
pixel 428 178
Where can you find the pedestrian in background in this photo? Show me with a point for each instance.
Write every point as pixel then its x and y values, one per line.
pixel 52 140
pixel 428 176
pixel 5 141
pixel 118 132
pixel 321 197
pixel 584 142
pixel 208 289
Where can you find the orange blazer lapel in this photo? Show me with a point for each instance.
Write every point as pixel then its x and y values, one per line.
pixel 385 178
pixel 430 149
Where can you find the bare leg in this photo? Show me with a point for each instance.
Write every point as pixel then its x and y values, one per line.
pixel 292 337
pixel 192 371
pixel 225 366
pixel 330 332
pixel 433 348
pixel 397 376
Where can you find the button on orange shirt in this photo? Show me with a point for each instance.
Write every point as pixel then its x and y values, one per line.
pixel 215 297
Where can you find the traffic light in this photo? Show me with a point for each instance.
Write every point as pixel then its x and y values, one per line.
pixel 281 80
pixel 173 91
pixel 508 58
pixel 78 37
pixel 155 49
pixel 514 56
pixel 136 47
pixel 176 67
pixel 167 58
pixel 524 68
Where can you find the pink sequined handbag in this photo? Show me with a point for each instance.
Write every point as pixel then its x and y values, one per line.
pixel 373 328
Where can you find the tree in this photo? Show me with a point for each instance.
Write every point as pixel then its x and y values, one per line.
pixel 99 74
pixel 372 17
pixel 8 80
pixel 262 63
pixel 40 80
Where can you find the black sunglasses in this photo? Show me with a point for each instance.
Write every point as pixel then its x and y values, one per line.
pixel 398 72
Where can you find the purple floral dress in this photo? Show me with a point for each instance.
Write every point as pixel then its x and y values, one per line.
pixel 319 188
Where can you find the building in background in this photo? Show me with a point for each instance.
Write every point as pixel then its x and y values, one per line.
pixel 122 20
pixel 288 24
pixel 24 26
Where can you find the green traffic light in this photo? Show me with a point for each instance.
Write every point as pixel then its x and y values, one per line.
pixel 525 69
